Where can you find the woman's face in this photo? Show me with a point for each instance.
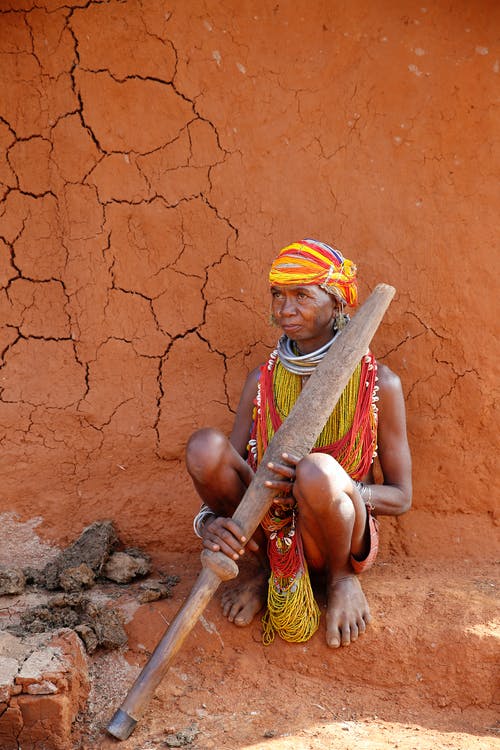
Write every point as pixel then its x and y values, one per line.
pixel 305 314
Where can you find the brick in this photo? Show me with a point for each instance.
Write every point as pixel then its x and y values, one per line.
pixel 42 688
pixel 42 695
pixel 11 723
pixel 8 671
pixel 40 662
pixel 47 721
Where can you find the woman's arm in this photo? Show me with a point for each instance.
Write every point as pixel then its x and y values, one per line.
pixel 243 421
pixel 393 497
pixel 221 532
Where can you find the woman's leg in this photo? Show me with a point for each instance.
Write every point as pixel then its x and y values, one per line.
pixel 221 476
pixel 333 521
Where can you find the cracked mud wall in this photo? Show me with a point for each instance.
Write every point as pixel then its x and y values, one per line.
pixel 153 157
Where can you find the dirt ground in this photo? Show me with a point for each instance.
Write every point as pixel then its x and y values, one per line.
pixel 423 676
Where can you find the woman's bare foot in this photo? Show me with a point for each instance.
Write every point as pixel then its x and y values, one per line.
pixel 348 612
pixel 241 603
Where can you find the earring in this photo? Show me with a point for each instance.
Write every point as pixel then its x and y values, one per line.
pixel 272 320
pixel 339 320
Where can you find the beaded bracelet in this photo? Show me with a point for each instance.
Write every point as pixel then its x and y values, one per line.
pixel 201 518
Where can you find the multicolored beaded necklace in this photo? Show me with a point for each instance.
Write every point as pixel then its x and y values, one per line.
pixel 349 435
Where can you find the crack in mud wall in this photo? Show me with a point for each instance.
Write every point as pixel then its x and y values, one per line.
pixel 154 156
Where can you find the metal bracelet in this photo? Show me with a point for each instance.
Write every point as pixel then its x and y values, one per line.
pixel 201 518
pixel 365 490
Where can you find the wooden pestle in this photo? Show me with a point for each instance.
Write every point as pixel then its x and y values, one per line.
pixel 296 436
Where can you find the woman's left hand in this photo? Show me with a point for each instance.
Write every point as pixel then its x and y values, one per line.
pixel 285 475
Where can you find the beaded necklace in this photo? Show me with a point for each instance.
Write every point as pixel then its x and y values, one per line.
pixel 350 433
pixel 349 436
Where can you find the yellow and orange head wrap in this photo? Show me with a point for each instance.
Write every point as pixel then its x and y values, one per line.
pixel 312 262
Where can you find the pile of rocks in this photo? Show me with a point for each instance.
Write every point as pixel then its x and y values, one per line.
pixel 44 677
pixel 91 559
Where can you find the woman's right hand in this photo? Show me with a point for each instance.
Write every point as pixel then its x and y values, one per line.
pixel 222 534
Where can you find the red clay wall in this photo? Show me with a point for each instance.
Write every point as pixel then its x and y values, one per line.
pixel 155 155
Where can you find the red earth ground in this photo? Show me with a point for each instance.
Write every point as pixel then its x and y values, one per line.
pixel 425 675
pixel 422 677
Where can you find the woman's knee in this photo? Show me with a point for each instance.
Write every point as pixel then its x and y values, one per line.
pixel 204 452
pixel 322 495
pixel 319 474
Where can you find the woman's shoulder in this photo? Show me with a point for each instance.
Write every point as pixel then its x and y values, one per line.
pixel 388 380
pixel 254 375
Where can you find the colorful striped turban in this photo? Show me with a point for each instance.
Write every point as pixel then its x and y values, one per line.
pixel 312 262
